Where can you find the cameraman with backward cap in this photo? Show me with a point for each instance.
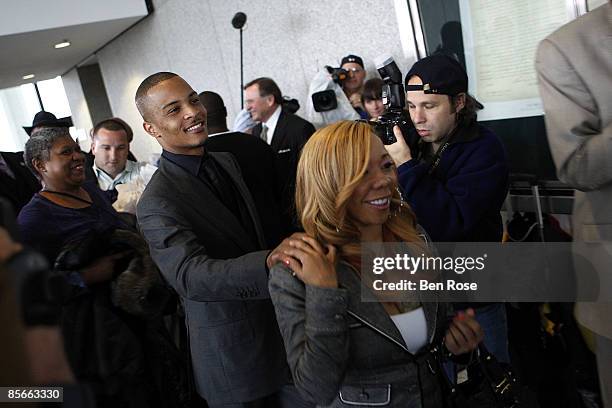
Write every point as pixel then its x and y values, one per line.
pixel 457 180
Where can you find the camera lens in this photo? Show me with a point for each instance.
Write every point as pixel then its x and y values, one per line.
pixel 324 101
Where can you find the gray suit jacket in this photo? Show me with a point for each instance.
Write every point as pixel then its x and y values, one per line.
pixel 206 255
pixel 574 67
pixel 343 351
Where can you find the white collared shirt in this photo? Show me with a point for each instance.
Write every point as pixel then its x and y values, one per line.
pixel 131 173
pixel 220 133
pixel 271 124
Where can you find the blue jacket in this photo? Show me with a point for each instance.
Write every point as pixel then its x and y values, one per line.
pixel 462 198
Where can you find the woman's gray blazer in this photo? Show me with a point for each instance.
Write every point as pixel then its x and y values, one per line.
pixel 346 353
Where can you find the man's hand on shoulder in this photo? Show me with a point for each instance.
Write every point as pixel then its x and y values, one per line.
pixel 279 254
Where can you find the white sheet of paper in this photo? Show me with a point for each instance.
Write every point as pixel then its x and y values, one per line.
pixel 500 39
pixel 593 4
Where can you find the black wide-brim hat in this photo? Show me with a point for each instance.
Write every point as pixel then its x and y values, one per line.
pixel 47 119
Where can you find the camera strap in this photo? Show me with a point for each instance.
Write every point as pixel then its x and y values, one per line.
pixel 435 160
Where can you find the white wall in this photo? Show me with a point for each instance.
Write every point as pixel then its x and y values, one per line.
pixel 287 40
pixel 81 117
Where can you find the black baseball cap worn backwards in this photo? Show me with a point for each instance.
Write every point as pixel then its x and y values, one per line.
pixel 440 75
pixel 352 58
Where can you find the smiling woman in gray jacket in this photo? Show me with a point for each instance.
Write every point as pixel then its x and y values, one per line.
pixel 342 351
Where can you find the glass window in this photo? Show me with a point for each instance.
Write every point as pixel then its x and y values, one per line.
pixel 19 104
pixel 54 97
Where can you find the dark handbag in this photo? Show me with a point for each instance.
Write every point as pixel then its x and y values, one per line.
pixel 489 383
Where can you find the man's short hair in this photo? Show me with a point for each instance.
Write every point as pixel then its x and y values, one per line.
pixel 267 87
pixel 144 87
pixel 113 124
pixel 215 108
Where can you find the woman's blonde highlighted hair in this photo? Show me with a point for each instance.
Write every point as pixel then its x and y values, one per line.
pixel 332 163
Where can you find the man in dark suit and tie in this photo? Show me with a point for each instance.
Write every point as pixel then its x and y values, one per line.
pixel 205 236
pixel 285 132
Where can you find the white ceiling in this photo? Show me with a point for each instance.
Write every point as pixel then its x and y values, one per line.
pixel 27 38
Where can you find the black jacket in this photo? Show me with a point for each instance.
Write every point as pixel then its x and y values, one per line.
pixel 218 269
pixel 290 135
pixel 20 190
pixel 113 332
pixel 257 163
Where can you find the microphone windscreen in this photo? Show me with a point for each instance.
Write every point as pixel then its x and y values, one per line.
pixel 239 20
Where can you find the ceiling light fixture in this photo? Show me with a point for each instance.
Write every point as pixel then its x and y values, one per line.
pixel 29 76
pixel 63 44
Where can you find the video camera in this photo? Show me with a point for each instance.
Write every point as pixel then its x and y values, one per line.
pixel 338 74
pixel 325 101
pixel 394 99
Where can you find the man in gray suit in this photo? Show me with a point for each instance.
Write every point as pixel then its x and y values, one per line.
pixel 205 235
pixel 574 67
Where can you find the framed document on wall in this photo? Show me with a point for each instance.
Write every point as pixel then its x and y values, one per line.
pixel 500 39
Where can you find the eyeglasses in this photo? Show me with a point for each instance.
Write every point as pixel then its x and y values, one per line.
pixel 353 70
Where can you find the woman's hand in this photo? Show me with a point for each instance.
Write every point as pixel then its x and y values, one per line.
pixel 464 333
pixel 278 254
pixel 313 264
pixel 355 100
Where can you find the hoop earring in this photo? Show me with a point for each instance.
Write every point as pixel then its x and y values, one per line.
pixel 398 210
pixel 337 226
pixel 399 192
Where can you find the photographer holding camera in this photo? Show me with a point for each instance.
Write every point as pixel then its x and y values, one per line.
pixel 336 93
pixel 457 179
pixel 353 84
